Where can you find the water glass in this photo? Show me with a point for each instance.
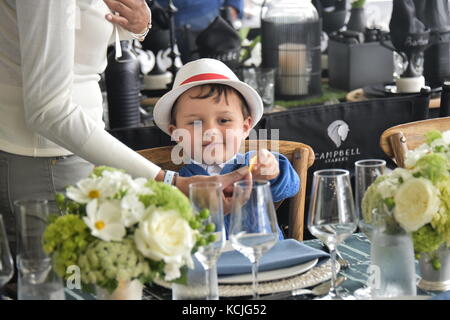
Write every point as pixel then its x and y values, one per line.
pixel 208 196
pixel 366 172
pixel 253 222
pixel 332 217
pixel 6 261
pixel 37 280
pixel 198 285
pixel 392 271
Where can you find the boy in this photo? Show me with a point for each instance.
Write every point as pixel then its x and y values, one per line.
pixel 210 112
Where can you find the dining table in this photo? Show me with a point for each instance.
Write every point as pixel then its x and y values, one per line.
pixel 355 250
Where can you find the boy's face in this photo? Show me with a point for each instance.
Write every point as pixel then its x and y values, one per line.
pixel 211 131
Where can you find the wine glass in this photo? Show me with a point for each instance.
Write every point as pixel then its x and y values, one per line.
pixel 6 261
pixel 366 172
pixel 332 217
pixel 253 222
pixel 207 197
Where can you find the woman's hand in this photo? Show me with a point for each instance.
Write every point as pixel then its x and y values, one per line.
pixel 133 15
pixel 266 166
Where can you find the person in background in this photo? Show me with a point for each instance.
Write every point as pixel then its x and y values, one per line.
pixel 51 127
pixel 194 16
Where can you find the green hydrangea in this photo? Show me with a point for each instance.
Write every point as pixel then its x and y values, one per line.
pixel 167 197
pixel 432 135
pixel 65 239
pixel 105 263
pixel 426 239
pixel 433 167
pixel 441 220
pixel 98 171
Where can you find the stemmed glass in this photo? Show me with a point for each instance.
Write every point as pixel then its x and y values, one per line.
pixel 207 196
pixel 6 261
pixel 332 217
pixel 253 222
pixel 366 172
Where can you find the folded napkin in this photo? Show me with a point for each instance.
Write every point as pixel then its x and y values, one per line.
pixel 442 296
pixel 285 253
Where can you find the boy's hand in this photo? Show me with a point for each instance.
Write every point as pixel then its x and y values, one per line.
pixel 265 166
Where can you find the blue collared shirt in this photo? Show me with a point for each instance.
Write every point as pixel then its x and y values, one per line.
pixel 286 185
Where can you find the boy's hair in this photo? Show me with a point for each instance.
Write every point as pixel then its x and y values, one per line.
pixel 216 90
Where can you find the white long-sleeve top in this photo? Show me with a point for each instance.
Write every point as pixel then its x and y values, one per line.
pixel 51 55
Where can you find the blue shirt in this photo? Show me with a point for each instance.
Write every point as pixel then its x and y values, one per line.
pixel 286 185
pixel 200 13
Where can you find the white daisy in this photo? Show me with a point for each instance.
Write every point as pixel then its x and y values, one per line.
pixel 105 220
pixel 89 189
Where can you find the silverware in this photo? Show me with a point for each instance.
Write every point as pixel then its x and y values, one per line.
pixel 339 258
pixel 343 262
pixel 319 290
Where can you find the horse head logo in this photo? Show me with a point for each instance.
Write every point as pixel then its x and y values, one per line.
pixel 338 132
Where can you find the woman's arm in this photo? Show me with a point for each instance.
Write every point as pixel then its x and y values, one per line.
pixel 47 42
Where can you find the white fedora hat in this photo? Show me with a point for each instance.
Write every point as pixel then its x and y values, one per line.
pixel 204 71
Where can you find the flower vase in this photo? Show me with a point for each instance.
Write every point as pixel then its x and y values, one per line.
pixel 435 270
pixel 392 271
pixel 126 290
pixel 357 21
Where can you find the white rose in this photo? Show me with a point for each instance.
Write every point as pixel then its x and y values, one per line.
pixel 165 235
pixel 416 202
pixel 446 137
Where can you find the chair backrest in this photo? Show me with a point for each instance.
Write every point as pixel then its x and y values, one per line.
pixel 397 140
pixel 300 155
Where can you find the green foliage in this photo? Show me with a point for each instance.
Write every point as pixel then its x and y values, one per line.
pixel 426 239
pixel 167 197
pixel 433 167
pixel 106 263
pixel 432 135
pixel 68 206
pixel 441 220
pixel 358 3
pixel 66 239
pixel 98 171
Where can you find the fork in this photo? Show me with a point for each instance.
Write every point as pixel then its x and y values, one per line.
pixel 342 262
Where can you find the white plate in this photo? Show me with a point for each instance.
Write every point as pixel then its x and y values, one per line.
pixel 270 275
pixel 316 275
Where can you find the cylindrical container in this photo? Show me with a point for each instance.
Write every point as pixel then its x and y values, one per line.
pixel 444 110
pixel 436 278
pixel 291 32
pixel 123 87
pixel 392 270
pixel 37 279
pixel 436 67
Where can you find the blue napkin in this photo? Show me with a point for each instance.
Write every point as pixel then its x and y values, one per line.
pixel 441 296
pixel 285 253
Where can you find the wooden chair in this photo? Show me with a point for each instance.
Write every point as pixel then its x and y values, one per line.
pixel 396 141
pixel 300 155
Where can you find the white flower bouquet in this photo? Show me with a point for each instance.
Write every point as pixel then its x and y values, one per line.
pixel 117 229
pixel 418 195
